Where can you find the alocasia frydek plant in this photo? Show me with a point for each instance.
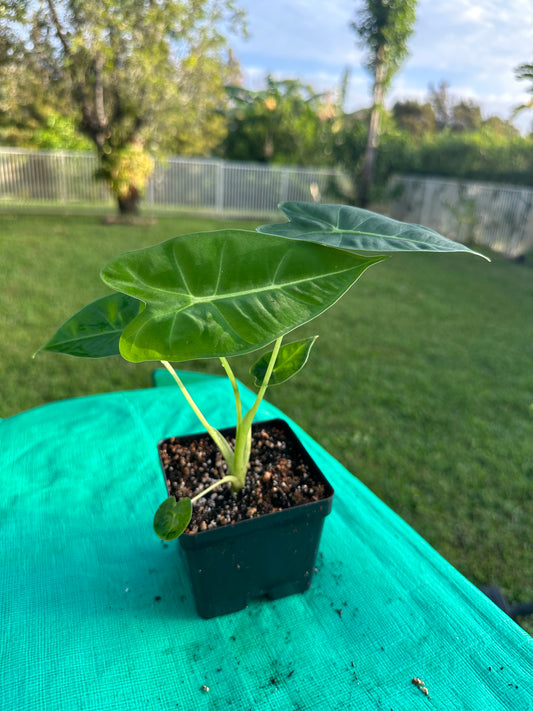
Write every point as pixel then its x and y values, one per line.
pixel 230 292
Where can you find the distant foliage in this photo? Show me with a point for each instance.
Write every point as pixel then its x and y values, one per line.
pixel 441 138
pixel 417 119
pixel 287 122
pixel 134 78
pixel 480 155
pixel 525 72
pixel 59 133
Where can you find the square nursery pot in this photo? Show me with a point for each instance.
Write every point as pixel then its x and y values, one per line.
pixel 270 555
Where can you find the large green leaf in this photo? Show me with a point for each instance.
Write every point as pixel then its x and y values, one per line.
pixel 290 360
pixel 226 292
pixel 356 229
pixel 95 330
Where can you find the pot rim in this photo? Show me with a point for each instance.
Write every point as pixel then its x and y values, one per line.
pixel 322 507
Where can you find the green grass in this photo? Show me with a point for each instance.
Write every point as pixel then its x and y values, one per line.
pixel 420 383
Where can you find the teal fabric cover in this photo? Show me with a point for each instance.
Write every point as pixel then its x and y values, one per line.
pixel 97 613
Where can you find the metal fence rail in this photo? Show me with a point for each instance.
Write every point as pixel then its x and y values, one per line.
pixel 58 176
pixel 497 216
pixel 67 177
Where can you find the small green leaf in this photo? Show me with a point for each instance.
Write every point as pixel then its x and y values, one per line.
pixel 172 518
pixel 95 330
pixel 291 359
pixel 353 228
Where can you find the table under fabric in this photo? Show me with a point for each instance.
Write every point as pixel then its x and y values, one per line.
pixel 97 612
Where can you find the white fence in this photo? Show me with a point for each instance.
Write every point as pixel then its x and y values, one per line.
pixel 67 178
pixel 498 216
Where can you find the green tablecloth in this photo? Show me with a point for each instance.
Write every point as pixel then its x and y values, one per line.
pixel 97 613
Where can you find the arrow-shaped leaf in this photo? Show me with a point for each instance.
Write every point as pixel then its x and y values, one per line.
pixel 172 518
pixel 356 229
pixel 226 292
pixel 290 360
pixel 95 330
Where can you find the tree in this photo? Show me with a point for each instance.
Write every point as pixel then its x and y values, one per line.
pixel 59 133
pixel 287 122
pixel 500 127
pixel 524 71
pixel 383 26
pixel 440 102
pixel 466 116
pixel 135 70
pixel 417 119
pixel 463 116
pixel 31 92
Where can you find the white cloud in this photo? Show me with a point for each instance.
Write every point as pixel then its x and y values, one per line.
pixel 474 46
pixel 494 39
pixel 473 13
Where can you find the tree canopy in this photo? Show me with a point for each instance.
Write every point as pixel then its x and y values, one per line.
pixel 417 119
pixel 140 76
pixel 525 71
pixel 383 27
pixel 287 122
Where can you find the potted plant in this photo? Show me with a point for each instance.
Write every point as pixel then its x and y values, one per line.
pixel 221 294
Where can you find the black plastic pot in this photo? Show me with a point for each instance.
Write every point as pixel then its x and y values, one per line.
pixel 272 555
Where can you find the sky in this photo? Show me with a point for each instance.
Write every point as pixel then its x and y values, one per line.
pixel 473 46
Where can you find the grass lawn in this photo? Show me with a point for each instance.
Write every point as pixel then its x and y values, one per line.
pixel 421 382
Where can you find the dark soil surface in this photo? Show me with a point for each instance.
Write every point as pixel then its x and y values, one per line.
pixel 278 478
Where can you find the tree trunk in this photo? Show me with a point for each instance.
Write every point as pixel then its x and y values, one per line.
pixel 129 204
pixel 369 161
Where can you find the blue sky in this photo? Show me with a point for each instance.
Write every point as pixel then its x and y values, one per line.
pixel 473 46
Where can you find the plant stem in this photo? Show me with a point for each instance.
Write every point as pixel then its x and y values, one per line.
pixel 264 385
pixel 243 439
pixel 224 480
pixel 237 459
pixel 233 381
pixel 219 440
